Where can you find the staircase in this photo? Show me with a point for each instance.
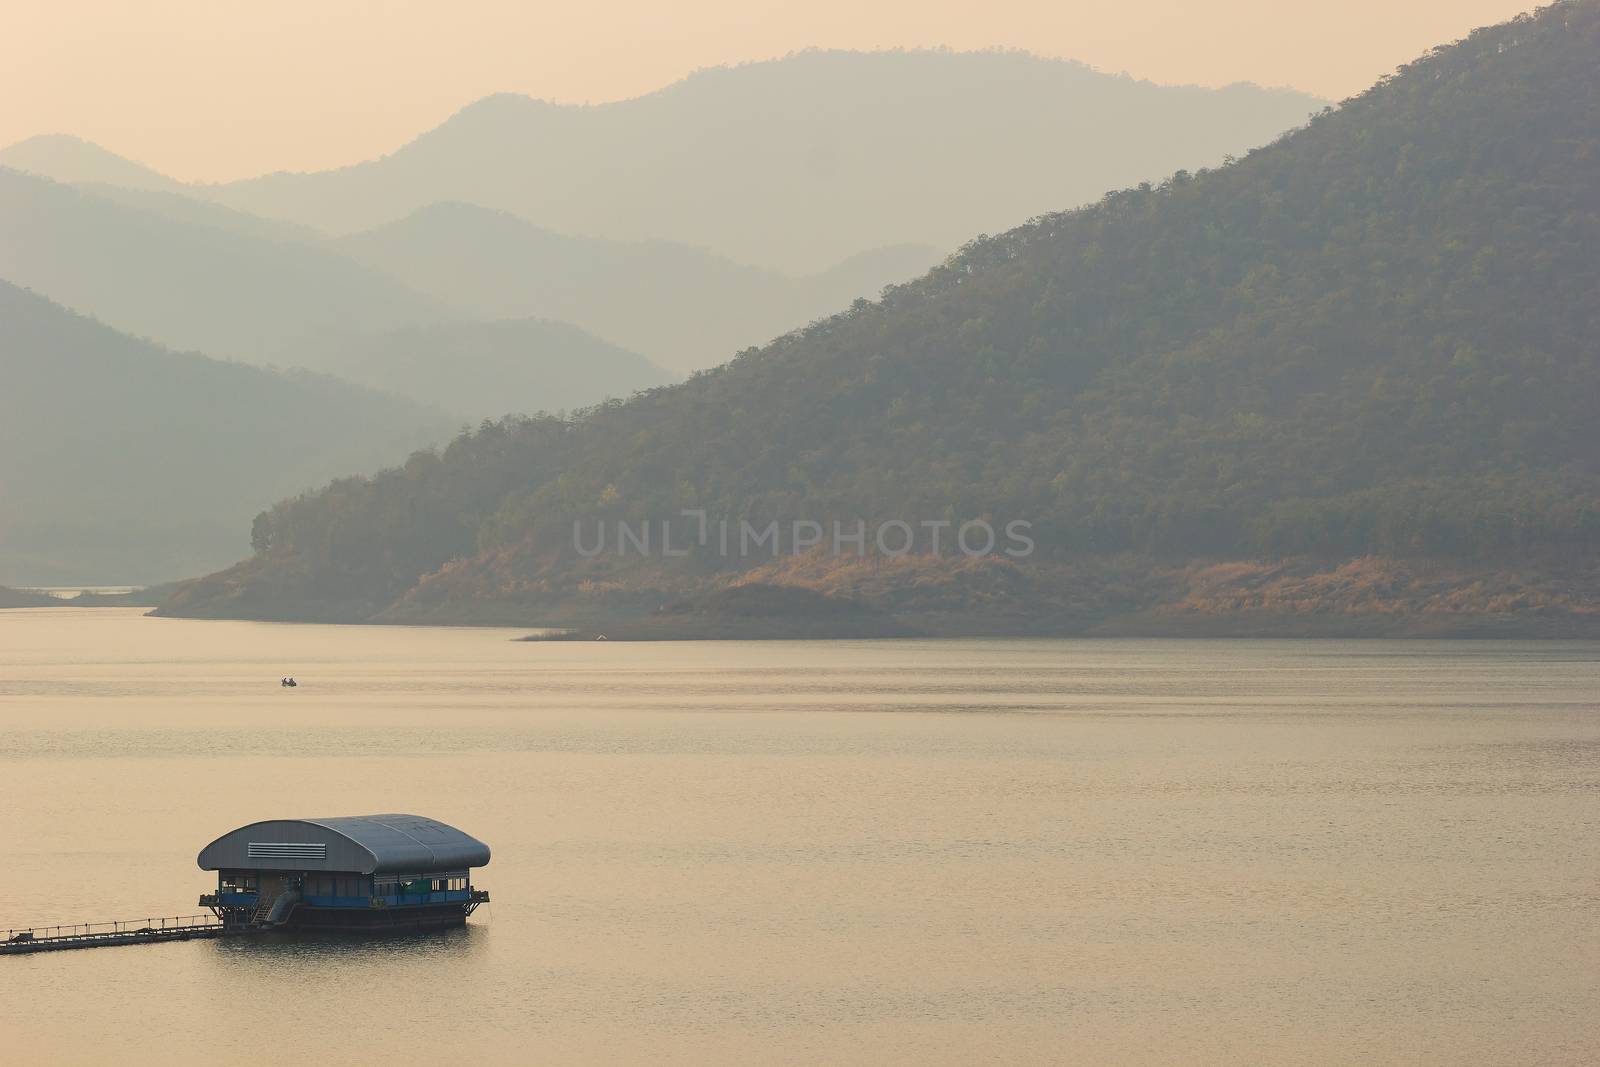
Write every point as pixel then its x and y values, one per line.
pixel 273 909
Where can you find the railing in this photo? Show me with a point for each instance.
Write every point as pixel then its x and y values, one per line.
pixel 395 900
pixel 231 899
pixel 25 939
pixel 125 926
pixel 476 897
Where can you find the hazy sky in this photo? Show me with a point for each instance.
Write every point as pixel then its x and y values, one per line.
pixel 215 89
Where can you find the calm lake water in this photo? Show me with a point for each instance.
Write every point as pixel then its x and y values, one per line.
pixel 1097 852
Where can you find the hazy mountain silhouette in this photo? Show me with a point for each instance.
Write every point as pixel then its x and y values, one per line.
pixel 194 274
pixel 71 159
pixel 1376 336
pixel 191 286
pixel 798 163
pixel 684 307
pixel 177 205
pixel 121 461
pixel 489 369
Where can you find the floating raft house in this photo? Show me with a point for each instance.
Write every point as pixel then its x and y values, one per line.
pixel 355 873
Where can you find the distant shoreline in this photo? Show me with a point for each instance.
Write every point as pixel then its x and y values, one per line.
pixel 1254 626
pixel 1238 628
pixel 84 596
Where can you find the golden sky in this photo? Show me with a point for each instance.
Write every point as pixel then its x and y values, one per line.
pixel 217 89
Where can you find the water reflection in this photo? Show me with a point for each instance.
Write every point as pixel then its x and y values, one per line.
pixel 284 955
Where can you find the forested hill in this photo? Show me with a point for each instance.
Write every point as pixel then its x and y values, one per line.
pixel 1377 335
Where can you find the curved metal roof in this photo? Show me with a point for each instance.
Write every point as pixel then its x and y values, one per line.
pixel 365 844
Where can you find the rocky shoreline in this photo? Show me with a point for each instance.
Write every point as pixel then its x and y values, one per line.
pixel 808 598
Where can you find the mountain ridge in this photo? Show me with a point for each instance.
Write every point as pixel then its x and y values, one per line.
pixel 798 163
pixel 191 286
pixel 64 157
pixel 479 369
pixel 677 304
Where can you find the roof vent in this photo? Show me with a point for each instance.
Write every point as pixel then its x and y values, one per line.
pixel 286 850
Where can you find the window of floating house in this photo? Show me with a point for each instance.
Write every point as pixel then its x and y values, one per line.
pixel 238 882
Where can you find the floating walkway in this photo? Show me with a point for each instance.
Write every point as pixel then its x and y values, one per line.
pixel 130 932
